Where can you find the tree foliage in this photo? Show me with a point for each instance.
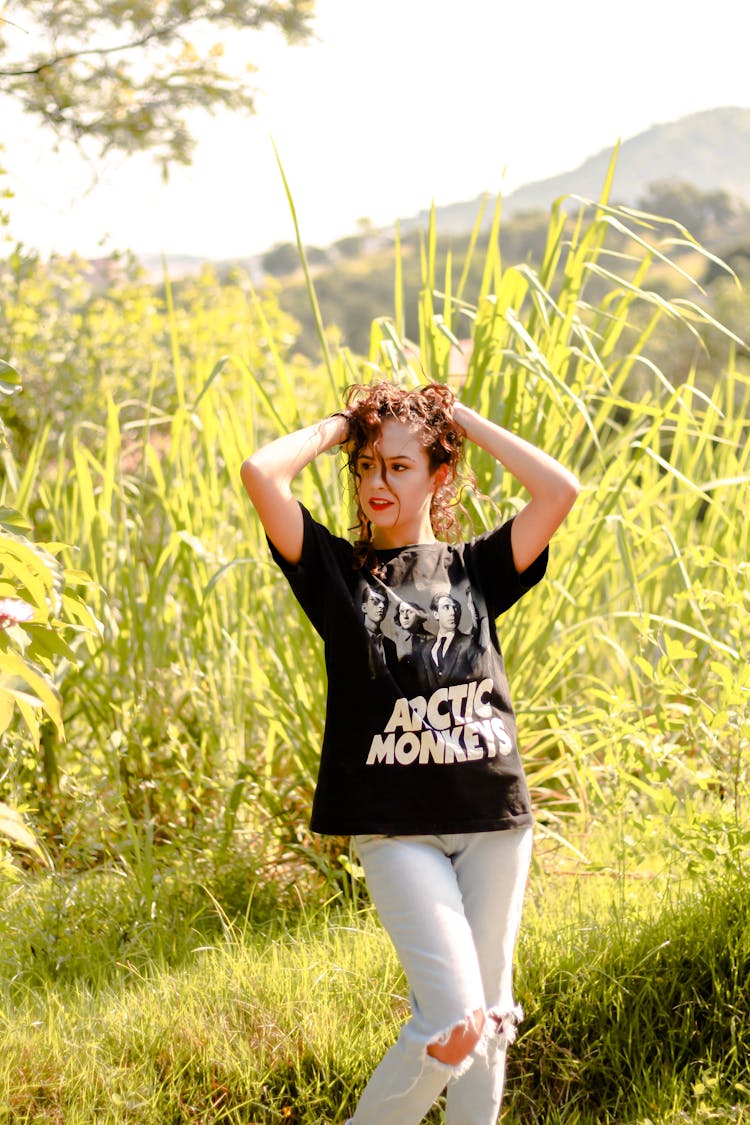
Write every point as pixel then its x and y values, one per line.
pixel 122 74
pixel 281 260
pixel 703 213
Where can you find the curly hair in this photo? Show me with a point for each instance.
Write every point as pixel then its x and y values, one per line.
pixel 429 410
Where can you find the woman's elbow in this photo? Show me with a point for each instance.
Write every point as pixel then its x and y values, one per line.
pixel 573 486
pixel 568 491
pixel 251 476
pixel 263 483
pixel 571 489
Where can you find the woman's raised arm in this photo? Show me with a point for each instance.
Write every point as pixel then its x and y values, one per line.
pixel 267 476
pixel 553 488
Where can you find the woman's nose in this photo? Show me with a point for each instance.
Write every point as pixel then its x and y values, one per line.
pixel 378 474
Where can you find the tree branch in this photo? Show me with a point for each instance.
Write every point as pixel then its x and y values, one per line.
pixel 155 33
pixel 98 100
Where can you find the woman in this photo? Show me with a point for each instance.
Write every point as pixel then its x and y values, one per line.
pixel 426 776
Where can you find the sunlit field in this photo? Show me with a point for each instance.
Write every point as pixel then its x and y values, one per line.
pixel 174 944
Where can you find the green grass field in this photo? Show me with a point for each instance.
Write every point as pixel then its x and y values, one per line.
pixel 175 946
pixel 634 984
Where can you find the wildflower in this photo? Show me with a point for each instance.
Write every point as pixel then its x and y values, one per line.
pixel 13 611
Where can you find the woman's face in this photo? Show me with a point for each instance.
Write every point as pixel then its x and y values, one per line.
pixel 396 486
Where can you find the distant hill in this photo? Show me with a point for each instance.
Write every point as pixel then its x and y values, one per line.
pixel 710 149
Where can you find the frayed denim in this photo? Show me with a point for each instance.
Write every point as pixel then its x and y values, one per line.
pixel 452 907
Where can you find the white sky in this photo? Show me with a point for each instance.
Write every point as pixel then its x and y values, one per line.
pixel 399 102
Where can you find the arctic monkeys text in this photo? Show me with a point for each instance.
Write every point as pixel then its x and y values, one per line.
pixel 454 724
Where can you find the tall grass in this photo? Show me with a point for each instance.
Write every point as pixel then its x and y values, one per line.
pixel 193 721
pixel 168 719
pixel 198 712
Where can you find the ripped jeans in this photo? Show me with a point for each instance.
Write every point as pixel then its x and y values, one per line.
pixel 452 907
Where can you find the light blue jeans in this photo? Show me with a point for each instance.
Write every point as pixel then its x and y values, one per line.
pixel 452 907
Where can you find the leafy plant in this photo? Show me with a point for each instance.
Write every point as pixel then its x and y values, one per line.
pixel 36 593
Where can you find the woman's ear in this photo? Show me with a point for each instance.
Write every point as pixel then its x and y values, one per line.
pixel 440 477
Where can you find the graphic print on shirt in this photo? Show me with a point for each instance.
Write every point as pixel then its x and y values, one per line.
pixel 428 633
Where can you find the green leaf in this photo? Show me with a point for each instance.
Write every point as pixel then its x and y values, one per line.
pixel 676 650
pixel 46 642
pixel 13 521
pixel 19 677
pixel 10 380
pixel 13 828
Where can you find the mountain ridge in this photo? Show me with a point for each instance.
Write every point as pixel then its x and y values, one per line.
pixel 709 148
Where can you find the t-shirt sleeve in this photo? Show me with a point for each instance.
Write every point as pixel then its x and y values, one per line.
pixel 310 578
pixel 491 557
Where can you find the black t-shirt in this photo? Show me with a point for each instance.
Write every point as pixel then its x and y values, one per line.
pixel 420 734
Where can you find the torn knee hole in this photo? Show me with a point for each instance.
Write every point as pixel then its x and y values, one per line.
pixel 458 1044
pixel 505 1024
